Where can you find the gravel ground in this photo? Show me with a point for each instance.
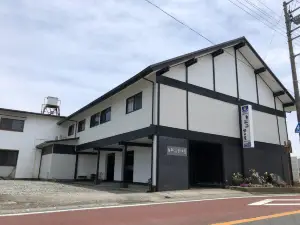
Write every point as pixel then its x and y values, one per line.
pixel 16 196
pixel 32 194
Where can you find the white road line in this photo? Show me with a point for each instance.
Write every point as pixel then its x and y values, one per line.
pixel 262 202
pixel 136 205
pixel 280 204
pixel 270 202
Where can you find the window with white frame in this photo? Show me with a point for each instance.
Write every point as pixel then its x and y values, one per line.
pixel 134 103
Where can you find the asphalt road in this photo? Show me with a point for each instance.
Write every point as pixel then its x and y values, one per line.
pixel 186 213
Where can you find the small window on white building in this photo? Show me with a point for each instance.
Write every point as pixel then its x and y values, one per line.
pixel 71 130
pixel 81 125
pixel 105 115
pixel 95 120
pixel 11 124
pixel 134 103
pixel 8 157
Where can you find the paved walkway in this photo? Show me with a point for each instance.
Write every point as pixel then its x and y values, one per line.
pixel 225 211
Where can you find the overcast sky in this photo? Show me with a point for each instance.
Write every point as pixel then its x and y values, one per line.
pixel 79 49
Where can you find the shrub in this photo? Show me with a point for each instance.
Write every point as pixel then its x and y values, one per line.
pixel 237 179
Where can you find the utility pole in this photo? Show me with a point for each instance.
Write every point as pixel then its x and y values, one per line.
pixel 288 15
pixel 288 21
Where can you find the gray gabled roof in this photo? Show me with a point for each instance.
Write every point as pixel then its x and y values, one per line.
pixel 173 61
pixel 61 141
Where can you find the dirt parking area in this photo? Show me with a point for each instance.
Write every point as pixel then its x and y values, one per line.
pixel 20 196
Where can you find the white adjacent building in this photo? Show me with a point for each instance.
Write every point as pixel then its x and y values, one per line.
pixel 177 123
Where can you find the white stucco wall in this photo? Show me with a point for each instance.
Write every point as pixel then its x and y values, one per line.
pixel 45 171
pixel 37 129
pixel 63 166
pixel 120 121
pixel 154 167
pixel 141 164
pixel 201 73
pixel 247 82
pixel 118 166
pixel 176 72
pixel 102 164
pixel 282 130
pixel 87 165
pixel 265 127
pixel 265 94
pixel 172 107
pixel 213 116
pixel 37 160
pixel 225 74
pixel 5 171
pixel 279 105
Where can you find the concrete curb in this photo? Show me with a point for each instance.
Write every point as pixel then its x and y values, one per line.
pixel 268 190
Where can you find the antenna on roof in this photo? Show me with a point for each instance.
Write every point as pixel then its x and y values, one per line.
pixel 51 106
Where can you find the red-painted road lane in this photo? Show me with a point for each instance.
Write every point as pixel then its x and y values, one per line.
pixel 190 213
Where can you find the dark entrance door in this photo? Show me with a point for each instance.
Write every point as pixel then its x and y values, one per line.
pixel 110 167
pixel 206 164
pixel 128 176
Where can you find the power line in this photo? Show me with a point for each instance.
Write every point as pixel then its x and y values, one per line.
pixel 261 10
pixel 282 25
pixel 184 24
pixel 266 14
pixel 267 7
pixel 179 21
pixel 273 35
pixel 260 17
pixel 268 25
pixel 254 16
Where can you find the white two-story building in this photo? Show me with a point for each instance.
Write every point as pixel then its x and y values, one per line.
pixel 176 124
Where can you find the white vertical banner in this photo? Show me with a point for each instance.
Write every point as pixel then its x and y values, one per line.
pixel 247 126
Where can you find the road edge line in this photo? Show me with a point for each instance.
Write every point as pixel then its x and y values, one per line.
pixel 136 205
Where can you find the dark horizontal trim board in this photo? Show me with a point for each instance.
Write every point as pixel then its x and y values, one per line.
pixel 206 137
pixel 87 153
pixel 216 95
pixel 108 149
pixel 288 104
pixel 279 93
pixel 64 149
pixel 120 182
pixel 136 144
pixel 59 149
pixel 260 70
pixel 129 136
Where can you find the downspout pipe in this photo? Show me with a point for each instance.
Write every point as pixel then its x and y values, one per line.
pixel 153 84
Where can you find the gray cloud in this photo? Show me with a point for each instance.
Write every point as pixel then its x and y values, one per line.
pixel 78 50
